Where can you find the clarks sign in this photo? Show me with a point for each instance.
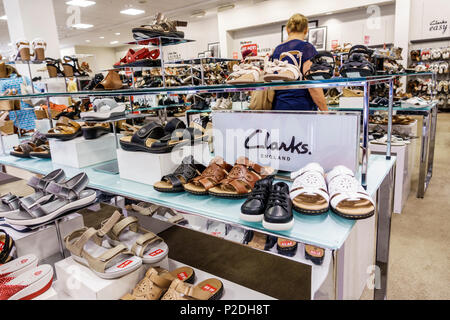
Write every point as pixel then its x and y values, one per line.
pixel 288 140
pixel 439 26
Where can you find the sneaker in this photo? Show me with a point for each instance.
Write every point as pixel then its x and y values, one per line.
pixel 253 208
pixel 278 215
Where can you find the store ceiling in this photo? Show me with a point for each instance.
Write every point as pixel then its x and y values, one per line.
pixel 107 20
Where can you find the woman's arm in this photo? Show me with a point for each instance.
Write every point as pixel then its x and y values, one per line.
pixel 316 93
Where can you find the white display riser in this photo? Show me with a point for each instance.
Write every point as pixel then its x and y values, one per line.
pixel 50 294
pixel 148 168
pixel 81 283
pixel 351 102
pixel 43 242
pixel 402 173
pixel 9 142
pixel 43 125
pixel 232 291
pixel 80 153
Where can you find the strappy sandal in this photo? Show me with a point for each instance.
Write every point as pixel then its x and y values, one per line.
pixel 39 185
pixel 129 130
pixel 141 242
pixel 16 267
pixel 309 192
pixel 41 152
pixel 144 208
pixel 9 203
pixel 85 246
pixel 54 67
pixel 6 246
pixel 23 150
pixel 259 240
pixel 217 171
pixel 39 47
pixel 181 137
pixel 65 130
pixel 161 27
pixel 95 130
pixel 241 179
pixel 315 254
pixel 106 109
pixel 188 170
pixel 72 67
pixel 143 139
pixel 210 289
pixel 348 198
pixel 157 281
pixel 245 73
pixel 69 196
pixel 283 70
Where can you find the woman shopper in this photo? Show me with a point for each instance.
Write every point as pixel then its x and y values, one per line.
pixel 311 99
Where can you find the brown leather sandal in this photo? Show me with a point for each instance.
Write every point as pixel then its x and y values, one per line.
pixel 217 170
pixel 65 129
pixel 241 179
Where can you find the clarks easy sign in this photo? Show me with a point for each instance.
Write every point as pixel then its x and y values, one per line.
pixel 288 140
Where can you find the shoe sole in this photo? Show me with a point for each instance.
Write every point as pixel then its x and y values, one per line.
pixel 251 217
pixel 353 217
pixel 278 226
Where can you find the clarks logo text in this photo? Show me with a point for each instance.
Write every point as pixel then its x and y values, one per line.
pixel 293 146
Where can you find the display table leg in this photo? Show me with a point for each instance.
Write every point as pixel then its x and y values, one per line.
pixel 424 152
pixel 385 208
pixel 60 240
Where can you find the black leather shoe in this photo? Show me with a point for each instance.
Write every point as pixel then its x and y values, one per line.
pixel 253 208
pixel 278 215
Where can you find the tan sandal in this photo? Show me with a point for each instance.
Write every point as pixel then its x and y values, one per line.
pixel 126 231
pixel 241 179
pixel 85 245
pixel 217 171
pixel 157 281
pixel 65 129
pixel 210 289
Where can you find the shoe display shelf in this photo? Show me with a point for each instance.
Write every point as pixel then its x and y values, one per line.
pixel 349 249
pixel 428 138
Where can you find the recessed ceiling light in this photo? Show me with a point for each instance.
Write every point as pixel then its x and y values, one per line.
pixel 132 11
pixel 102 37
pixel 328 13
pixel 4 17
pixel 198 14
pixel 225 7
pixel 88 40
pixel 117 33
pixel 80 3
pixel 82 26
pixel 114 42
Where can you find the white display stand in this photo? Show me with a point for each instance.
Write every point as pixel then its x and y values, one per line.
pixel 80 153
pixel 50 294
pixel 402 173
pixel 9 142
pixel 43 242
pixel 147 168
pixel 79 282
pixel 351 102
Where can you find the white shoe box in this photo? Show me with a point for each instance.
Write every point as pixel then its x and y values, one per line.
pixel 147 168
pixel 80 282
pixel 351 102
pixel 43 242
pixel 402 173
pixel 80 153
pixel 9 142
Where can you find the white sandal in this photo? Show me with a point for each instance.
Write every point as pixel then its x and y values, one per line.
pixel 309 192
pixel 280 70
pixel 245 73
pixel 23 50
pixel 348 198
pixel 39 47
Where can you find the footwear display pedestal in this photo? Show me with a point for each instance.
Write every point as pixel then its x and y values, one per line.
pixel 351 102
pixel 80 282
pixel 80 153
pixel 43 125
pixel 43 242
pixel 402 173
pixel 145 167
pixel 9 142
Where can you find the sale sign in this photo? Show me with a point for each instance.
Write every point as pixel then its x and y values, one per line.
pixel 253 47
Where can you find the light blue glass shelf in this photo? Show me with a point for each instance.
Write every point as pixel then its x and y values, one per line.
pixel 326 231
